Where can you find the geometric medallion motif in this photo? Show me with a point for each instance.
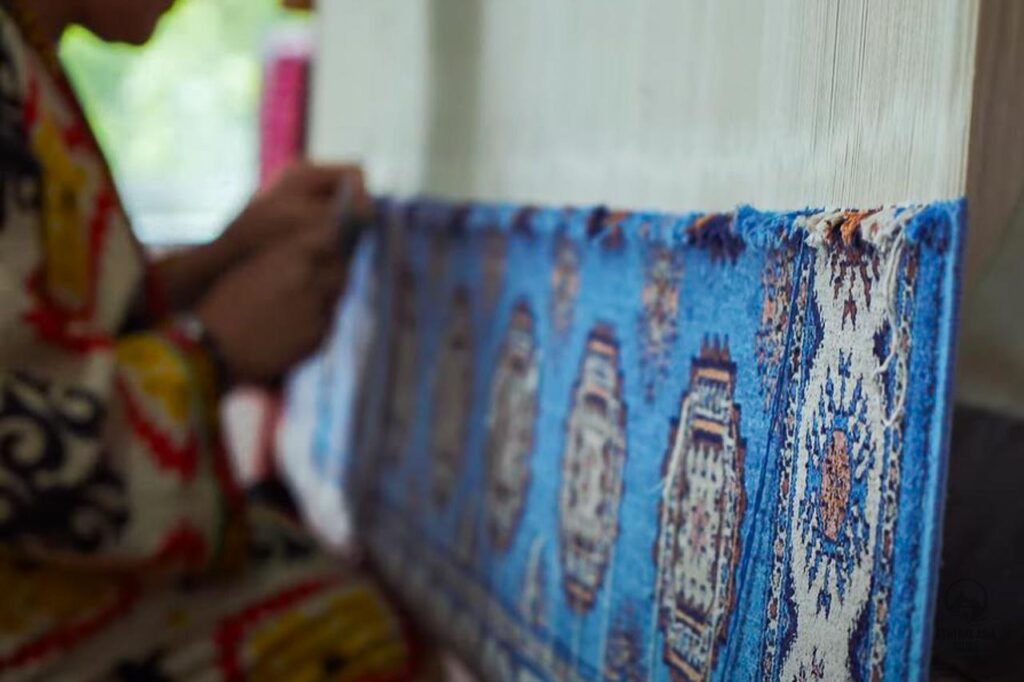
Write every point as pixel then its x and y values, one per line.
pixel 493 266
pixel 770 341
pixel 658 315
pixel 702 506
pixel 565 284
pixel 777 516
pixel 533 597
pixel 452 398
pixel 510 425
pixel 840 459
pixel 841 451
pixel 592 470
pixel 401 381
pixel 625 656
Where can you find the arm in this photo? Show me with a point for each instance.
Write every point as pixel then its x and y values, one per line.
pixel 185 275
pixel 110 455
pixel 302 196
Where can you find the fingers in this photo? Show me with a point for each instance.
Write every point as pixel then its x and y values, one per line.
pixel 323 271
pixel 330 242
pixel 329 281
pixel 286 291
pixel 339 189
pixel 324 206
pixel 319 303
pixel 322 181
pixel 351 199
pixel 320 242
pixel 312 294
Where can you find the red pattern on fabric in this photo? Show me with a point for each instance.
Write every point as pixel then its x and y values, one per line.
pixel 88 137
pixel 30 107
pixel 64 638
pixel 231 632
pixel 155 293
pixel 233 493
pixel 73 327
pixel 52 326
pixel 52 321
pixel 106 204
pixel 184 460
pixel 80 135
pixel 229 637
pixel 221 462
pixel 183 342
pixel 89 140
pixel 75 135
pixel 184 543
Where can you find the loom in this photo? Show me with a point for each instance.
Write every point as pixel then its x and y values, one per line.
pixel 676 107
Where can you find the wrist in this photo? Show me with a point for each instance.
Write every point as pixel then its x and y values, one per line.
pixel 185 276
pixel 190 328
pixel 233 245
pixel 222 254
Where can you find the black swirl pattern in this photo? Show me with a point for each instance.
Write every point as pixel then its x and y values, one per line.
pixel 55 485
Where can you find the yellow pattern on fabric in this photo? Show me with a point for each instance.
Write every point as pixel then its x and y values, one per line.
pixel 353 631
pixel 160 374
pixel 45 597
pixel 142 550
pixel 62 221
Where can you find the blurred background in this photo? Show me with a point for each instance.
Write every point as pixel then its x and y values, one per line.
pixel 184 146
pixel 192 124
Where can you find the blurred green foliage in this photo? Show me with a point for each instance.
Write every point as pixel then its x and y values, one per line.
pixel 178 117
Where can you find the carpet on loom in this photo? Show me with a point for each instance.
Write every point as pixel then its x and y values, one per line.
pixel 584 444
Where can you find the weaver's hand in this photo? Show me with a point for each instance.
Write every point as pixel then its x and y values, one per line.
pixel 274 310
pixel 303 200
pixel 304 197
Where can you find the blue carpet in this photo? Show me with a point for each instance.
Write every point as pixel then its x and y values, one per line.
pixel 593 445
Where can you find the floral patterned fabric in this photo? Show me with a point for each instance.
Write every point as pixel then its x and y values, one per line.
pixel 126 551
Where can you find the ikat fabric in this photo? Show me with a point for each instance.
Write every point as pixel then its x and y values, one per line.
pixel 630 446
pixel 126 550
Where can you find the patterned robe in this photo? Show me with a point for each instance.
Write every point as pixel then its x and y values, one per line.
pixel 125 551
